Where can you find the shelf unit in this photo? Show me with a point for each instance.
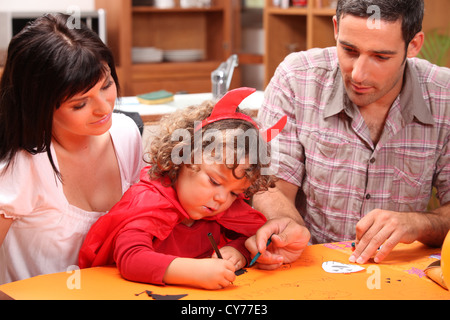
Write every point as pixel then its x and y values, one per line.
pixel 295 29
pixel 302 28
pixel 211 29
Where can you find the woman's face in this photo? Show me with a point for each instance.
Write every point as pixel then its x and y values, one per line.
pixel 86 114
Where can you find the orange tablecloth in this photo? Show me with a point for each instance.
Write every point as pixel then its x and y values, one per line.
pixel 400 276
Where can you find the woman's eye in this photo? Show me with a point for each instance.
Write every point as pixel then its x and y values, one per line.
pixel 108 85
pixel 79 106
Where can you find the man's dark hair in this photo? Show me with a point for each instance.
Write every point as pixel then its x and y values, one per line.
pixel 409 11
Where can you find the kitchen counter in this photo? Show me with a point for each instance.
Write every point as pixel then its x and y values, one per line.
pixel 151 114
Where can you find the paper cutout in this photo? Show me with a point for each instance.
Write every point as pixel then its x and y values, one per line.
pixel 162 297
pixel 434 272
pixel 338 267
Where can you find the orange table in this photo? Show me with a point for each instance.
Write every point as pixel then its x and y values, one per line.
pixel 400 276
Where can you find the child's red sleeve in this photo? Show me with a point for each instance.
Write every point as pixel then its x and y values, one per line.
pixel 135 257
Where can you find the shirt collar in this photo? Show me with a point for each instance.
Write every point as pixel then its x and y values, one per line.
pixel 411 99
pixel 336 100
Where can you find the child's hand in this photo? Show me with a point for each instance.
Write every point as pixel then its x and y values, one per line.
pixel 202 273
pixel 216 273
pixel 233 255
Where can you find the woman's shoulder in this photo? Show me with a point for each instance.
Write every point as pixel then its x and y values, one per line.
pixel 123 123
pixel 25 182
pixel 21 166
pixel 125 133
pixel 128 147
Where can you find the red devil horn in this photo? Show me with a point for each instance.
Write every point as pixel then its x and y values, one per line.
pixel 230 101
pixel 226 107
pixel 273 131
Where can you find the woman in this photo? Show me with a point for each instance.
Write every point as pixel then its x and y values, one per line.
pixel 65 158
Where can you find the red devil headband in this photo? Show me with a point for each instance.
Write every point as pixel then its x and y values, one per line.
pixel 226 107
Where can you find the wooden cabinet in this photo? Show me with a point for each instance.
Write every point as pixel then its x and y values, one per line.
pixel 211 29
pixel 301 28
pixel 295 29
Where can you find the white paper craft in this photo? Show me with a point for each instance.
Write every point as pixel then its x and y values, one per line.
pixel 338 267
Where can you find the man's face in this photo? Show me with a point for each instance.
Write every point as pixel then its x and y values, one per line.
pixel 371 59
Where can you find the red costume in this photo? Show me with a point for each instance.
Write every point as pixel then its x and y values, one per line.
pixel 142 233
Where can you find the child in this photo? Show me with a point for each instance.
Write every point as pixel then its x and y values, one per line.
pixel 162 222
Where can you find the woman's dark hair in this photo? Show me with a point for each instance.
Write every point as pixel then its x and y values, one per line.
pixel 47 63
pixel 409 11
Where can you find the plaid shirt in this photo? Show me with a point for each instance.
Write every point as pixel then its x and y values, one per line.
pixel 326 148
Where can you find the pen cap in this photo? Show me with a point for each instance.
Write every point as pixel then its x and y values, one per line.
pixel 445 260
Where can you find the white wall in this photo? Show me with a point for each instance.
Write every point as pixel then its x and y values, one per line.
pixel 45 5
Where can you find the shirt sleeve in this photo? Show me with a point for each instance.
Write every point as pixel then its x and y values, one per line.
pixel 25 184
pixel 442 183
pixel 13 202
pixel 287 153
pixel 135 257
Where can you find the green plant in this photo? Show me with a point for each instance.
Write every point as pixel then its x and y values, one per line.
pixel 436 47
pixel 434 202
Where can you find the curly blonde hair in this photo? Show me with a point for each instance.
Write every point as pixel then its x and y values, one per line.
pixel 163 147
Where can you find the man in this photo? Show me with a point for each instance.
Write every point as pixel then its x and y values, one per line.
pixel 366 139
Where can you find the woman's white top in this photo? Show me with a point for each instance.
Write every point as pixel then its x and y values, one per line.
pixel 47 231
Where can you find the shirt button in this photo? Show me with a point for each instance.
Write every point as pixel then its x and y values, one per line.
pixel 372 160
pixel 368 196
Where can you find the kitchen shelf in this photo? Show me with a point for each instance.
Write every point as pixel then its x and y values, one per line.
pixel 288 11
pixel 295 29
pixel 176 9
pixel 211 29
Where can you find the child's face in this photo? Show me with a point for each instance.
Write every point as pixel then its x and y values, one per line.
pixel 209 190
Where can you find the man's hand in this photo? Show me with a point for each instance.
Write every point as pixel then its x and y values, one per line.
pixel 289 239
pixel 385 229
